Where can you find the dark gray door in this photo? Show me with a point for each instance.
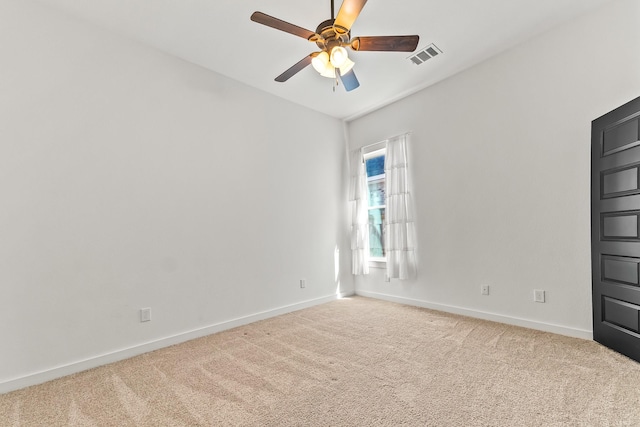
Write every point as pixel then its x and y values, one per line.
pixel 615 228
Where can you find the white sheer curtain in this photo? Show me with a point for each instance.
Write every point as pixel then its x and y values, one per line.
pixel 358 195
pixel 399 224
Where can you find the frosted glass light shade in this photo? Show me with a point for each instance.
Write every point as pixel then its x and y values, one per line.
pixel 329 72
pixel 339 56
pixel 346 67
pixel 320 62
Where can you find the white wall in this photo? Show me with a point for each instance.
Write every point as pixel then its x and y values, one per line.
pixel 501 164
pixel 131 179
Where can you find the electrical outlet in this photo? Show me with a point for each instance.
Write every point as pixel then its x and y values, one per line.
pixel 484 289
pixel 303 283
pixel 538 295
pixel 145 314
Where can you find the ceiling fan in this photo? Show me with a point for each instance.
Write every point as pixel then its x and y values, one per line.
pixel 332 36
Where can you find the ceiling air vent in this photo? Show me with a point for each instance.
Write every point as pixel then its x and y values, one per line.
pixel 424 54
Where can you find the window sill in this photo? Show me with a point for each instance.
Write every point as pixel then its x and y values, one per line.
pixel 378 264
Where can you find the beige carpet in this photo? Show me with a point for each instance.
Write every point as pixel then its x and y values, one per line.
pixel 353 362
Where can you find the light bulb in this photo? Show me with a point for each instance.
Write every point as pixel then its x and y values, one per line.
pixel 338 56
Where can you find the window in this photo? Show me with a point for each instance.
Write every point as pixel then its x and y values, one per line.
pixel 382 236
pixel 374 163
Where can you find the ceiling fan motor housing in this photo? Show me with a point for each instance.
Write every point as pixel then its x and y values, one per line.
pixel 329 35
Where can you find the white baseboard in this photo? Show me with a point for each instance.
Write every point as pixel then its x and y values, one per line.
pixel 516 321
pixel 115 356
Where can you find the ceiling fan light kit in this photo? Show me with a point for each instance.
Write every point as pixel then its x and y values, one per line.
pixel 326 64
pixel 333 36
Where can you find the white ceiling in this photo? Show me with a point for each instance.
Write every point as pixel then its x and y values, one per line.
pixel 218 35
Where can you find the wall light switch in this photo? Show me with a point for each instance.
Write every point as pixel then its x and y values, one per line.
pixel 145 314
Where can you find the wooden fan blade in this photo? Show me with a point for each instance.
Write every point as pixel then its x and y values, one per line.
pixel 348 13
pixel 279 24
pixel 294 69
pixel 349 80
pixel 386 43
